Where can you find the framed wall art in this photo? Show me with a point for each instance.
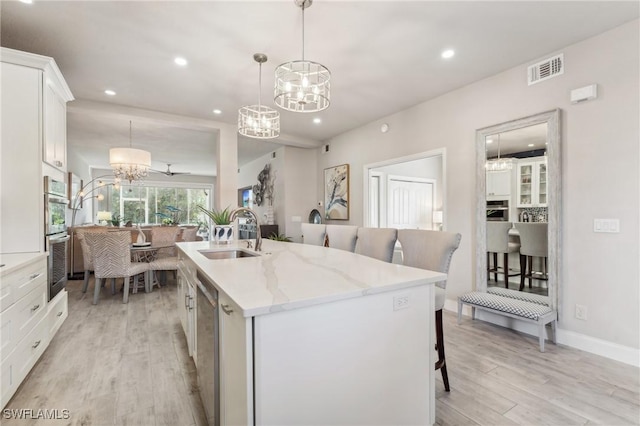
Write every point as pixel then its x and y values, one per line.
pixel 336 192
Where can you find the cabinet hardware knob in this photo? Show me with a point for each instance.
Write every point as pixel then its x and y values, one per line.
pixel 58 163
pixel 226 309
pixel 59 314
pixel 186 300
pixel 36 344
pixel 35 308
pixel 34 276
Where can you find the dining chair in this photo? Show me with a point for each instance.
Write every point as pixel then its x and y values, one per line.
pixel 87 257
pixel 313 233
pixel 432 250
pixel 167 259
pixel 189 234
pixel 112 259
pixel 378 243
pixel 342 237
pixel 533 243
pixel 498 243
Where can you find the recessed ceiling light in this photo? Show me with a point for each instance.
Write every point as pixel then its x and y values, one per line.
pixel 531 145
pixel 180 61
pixel 217 111
pixel 489 140
pixel 317 120
pixel 26 1
pixel 448 53
pixel 109 92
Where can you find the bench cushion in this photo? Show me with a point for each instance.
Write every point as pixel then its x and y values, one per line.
pixel 519 295
pixel 532 311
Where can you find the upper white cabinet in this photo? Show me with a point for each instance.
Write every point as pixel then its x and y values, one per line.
pixel 499 185
pixel 33 116
pixel 55 129
pixel 532 182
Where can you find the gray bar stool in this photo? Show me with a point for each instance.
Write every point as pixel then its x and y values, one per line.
pixel 533 243
pixel 498 243
pixel 313 233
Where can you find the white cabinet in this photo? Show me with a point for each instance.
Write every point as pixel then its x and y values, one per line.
pixel 532 182
pixel 236 382
pixel 33 116
pixel 55 134
pixel 27 321
pixel 187 302
pixel 499 185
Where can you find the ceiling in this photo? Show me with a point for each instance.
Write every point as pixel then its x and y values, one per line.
pixel 384 57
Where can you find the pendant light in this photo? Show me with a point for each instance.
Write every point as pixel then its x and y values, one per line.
pixel 302 86
pixel 129 163
pixel 499 164
pixel 259 121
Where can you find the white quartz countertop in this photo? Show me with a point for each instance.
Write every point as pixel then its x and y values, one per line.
pixel 11 261
pixel 289 276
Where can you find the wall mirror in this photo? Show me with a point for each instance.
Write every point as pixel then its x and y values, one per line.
pixel 518 205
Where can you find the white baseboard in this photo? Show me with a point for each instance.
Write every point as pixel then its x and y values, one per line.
pixel 614 351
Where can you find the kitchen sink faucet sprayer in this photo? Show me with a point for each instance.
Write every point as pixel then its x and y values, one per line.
pixel 233 216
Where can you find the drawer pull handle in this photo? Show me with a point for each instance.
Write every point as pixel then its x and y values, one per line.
pixel 226 309
pixel 58 163
pixel 35 308
pixel 59 314
pixel 34 276
pixel 36 344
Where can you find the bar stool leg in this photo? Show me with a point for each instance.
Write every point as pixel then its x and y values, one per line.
pixel 523 270
pixel 506 270
pixel 495 267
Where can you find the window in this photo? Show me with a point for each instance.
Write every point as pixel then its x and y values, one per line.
pixel 155 204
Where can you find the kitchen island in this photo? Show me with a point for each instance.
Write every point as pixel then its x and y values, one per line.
pixel 308 335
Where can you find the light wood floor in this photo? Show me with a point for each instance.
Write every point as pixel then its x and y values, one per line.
pixel 115 364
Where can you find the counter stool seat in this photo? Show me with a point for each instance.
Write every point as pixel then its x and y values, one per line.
pixel 498 243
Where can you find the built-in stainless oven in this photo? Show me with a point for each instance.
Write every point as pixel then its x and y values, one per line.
pixel 498 210
pixel 56 237
pixel 55 205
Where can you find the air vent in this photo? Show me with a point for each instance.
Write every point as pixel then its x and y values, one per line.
pixel 546 69
pixel 325 148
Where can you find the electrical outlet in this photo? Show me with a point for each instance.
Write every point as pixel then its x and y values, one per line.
pixel 400 302
pixel 581 312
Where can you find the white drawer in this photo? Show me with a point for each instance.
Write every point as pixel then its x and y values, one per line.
pixel 8 382
pixel 19 319
pixel 57 312
pixel 18 283
pixel 29 350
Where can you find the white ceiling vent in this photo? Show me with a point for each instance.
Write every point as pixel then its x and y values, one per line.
pixel 546 69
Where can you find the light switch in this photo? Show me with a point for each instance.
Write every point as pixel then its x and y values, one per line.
pixel 606 225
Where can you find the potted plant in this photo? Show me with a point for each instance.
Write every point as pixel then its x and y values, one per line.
pixel 223 229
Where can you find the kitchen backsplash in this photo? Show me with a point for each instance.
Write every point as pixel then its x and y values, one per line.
pixel 534 214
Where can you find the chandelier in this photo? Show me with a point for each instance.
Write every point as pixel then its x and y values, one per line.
pixel 302 86
pixel 259 121
pixel 129 163
pixel 499 164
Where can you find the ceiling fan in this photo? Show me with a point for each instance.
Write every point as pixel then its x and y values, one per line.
pixel 168 172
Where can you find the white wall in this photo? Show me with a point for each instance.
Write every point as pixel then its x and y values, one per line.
pixel 600 171
pixel 294 192
pixel 248 176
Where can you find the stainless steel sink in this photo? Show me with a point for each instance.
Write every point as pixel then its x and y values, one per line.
pixel 227 254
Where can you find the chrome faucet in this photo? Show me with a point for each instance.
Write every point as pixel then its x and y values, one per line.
pixel 235 213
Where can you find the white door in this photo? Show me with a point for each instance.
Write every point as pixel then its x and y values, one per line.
pixel 410 202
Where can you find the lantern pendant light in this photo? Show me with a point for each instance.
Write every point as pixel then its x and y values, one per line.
pixel 259 121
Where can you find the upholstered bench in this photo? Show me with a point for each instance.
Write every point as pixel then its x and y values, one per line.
pixel 528 311
pixel 519 295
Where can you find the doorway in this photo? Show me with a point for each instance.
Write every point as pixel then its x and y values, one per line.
pixel 406 192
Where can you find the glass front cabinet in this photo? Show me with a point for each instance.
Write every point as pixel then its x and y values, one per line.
pixel 532 182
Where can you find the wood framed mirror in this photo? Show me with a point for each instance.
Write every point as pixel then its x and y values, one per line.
pixel 518 181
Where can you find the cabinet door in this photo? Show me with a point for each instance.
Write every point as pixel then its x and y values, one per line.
pixel 525 184
pixel 236 365
pixel 191 318
pixel 55 137
pixel 182 299
pixel 499 185
pixel 21 210
pixel 541 180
